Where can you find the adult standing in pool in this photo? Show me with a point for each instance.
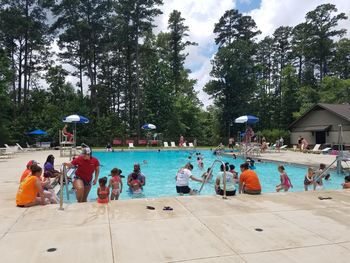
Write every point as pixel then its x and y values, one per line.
pixel 87 165
pixel 136 175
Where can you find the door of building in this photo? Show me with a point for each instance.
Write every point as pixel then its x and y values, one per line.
pixel 320 137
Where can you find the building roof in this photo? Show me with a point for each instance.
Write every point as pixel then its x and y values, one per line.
pixel 341 110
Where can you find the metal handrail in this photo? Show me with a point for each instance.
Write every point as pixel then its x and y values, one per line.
pixel 324 171
pixel 61 187
pixel 63 175
pixel 210 171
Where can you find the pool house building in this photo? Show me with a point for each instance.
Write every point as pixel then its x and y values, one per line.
pixel 321 125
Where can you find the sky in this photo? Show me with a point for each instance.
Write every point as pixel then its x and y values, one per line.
pixel 201 15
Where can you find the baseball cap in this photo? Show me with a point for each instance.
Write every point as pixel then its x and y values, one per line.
pixel 32 162
pixel 86 150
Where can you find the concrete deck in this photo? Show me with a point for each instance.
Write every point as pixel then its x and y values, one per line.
pixel 287 156
pixel 296 227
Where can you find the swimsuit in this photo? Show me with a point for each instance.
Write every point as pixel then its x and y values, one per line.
pixel 79 178
pixel 115 191
pixel 103 200
pixel 307 180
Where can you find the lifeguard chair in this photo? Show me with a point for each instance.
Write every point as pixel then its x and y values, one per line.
pixel 67 148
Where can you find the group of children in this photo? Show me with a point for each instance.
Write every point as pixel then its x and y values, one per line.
pixel 115 184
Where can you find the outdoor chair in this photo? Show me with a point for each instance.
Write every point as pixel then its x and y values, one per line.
pixel 130 143
pixel 316 149
pixel 173 144
pixel 190 144
pixel 11 149
pixel 184 144
pixel 284 147
pixel 24 149
pixel 326 150
pixel 166 145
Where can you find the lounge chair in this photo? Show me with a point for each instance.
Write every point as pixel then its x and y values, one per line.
pixel 190 144
pixel 173 144
pixel 326 150
pixel 130 143
pixel 284 147
pixel 166 145
pixel 184 144
pixel 316 149
pixel 11 149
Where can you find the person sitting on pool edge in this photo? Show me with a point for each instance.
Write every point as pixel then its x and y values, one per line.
pixel 182 180
pixel 230 183
pixel 249 181
pixel 140 176
pixel 30 191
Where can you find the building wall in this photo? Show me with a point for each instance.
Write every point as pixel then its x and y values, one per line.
pixel 320 117
pixel 331 137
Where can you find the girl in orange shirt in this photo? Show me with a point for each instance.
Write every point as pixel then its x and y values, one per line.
pixel 30 188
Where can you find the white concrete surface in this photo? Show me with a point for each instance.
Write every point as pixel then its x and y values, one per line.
pixel 296 227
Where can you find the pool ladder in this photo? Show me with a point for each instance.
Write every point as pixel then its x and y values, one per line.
pixel 210 172
pixel 63 175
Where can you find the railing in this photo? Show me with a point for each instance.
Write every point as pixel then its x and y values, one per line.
pixel 324 171
pixel 63 175
pixel 210 172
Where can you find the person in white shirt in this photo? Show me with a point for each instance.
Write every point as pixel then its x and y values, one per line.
pixel 230 182
pixel 182 180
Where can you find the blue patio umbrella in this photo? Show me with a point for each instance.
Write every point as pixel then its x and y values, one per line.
pixel 249 119
pixel 37 132
pixel 148 126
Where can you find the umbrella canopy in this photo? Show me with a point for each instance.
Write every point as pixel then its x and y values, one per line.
pixel 249 119
pixel 37 132
pixel 148 126
pixel 75 119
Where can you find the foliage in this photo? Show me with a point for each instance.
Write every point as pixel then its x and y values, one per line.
pixel 121 74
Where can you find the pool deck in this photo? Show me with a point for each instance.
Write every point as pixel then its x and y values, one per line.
pixel 288 156
pixel 296 227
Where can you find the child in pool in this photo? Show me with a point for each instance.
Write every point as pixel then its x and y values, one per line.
pixel 102 191
pixel 207 175
pixel 309 178
pixel 346 184
pixel 135 184
pixel 116 184
pixel 200 163
pixel 285 181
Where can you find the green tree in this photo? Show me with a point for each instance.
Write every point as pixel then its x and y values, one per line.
pixel 340 64
pixel 234 80
pixel 323 29
pixel 177 44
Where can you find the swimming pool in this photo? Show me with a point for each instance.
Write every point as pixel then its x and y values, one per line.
pixel 162 167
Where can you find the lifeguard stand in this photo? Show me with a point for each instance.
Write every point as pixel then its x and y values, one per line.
pixel 67 148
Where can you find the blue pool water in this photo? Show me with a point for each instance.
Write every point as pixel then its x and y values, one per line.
pixel 162 167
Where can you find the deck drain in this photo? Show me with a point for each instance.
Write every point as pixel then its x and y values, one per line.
pixel 258 229
pixel 52 249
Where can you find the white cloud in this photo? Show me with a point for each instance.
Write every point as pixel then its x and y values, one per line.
pixel 201 15
pixel 275 13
